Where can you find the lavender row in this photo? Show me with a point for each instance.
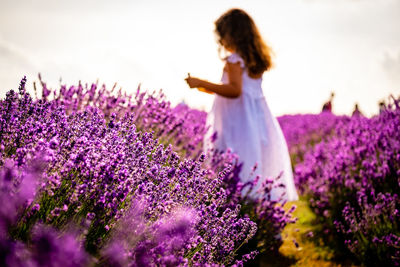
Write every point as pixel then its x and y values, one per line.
pixel 303 131
pixel 93 177
pixel 352 180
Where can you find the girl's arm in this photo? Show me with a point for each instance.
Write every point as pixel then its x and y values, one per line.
pixel 232 89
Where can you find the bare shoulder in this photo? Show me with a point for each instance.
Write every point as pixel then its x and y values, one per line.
pixel 236 66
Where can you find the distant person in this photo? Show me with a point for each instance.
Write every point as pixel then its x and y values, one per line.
pixel 356 111
pixel 382 106
pixel 240 115
pixel 328 105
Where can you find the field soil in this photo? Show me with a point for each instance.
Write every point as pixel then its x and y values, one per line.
pixel 300 247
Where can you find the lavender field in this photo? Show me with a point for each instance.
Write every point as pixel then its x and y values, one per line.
pixel 92 176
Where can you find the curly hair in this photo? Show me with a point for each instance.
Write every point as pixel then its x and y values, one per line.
pixel 236 29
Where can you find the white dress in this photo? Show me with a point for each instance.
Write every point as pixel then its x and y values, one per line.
pixel 246 126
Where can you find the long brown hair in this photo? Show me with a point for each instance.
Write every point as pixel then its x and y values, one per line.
pixel 237 30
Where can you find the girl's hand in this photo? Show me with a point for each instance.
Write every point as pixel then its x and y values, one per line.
pixel 197 83
pixel 193 82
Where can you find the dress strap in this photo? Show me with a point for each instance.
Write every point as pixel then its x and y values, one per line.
pixel 235 58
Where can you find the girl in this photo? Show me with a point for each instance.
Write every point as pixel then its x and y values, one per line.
pixel 240 115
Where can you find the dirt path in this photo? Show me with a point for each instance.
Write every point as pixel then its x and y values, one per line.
pixel 297 248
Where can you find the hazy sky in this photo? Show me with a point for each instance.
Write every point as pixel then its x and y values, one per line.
pixel 349 46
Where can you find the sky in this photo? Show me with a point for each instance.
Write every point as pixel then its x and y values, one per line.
pixel 351 47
